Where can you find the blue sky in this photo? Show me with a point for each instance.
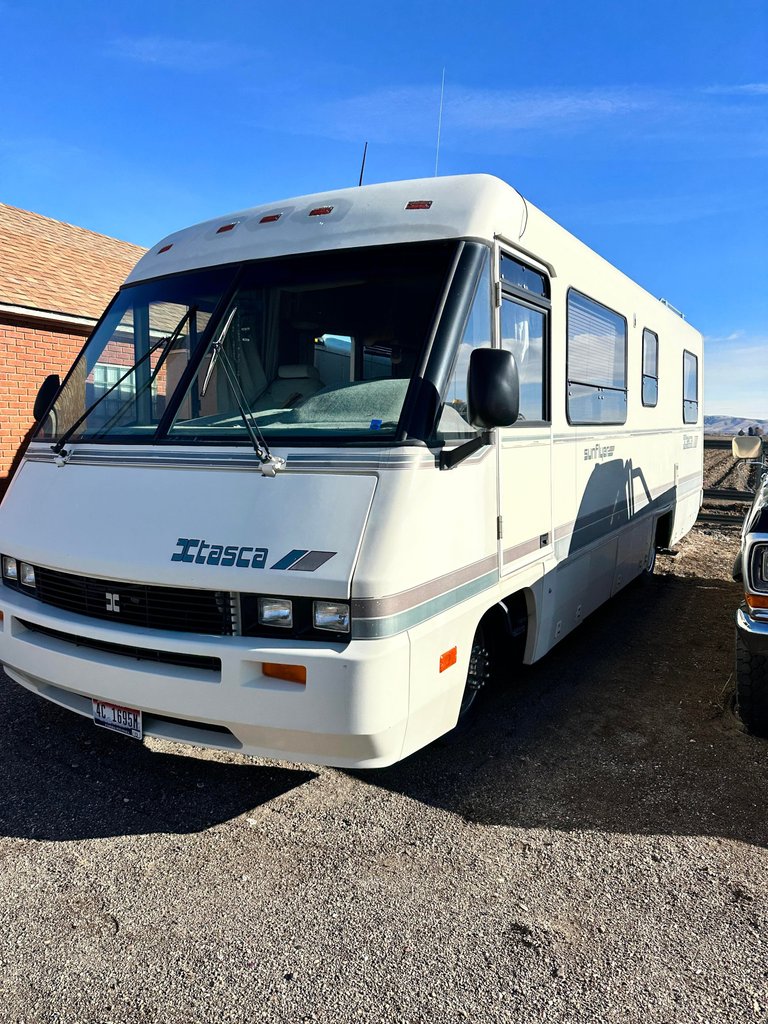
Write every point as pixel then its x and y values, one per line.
pixel 640 126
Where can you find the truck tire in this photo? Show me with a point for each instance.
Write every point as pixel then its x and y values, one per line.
pixel 752 688
pixel 478 679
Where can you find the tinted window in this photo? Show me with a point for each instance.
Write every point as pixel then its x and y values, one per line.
pixel 519 276
pixel 650 368
pixel 690 388
pixel 477 334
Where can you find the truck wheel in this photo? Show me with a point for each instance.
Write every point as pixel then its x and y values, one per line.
pixel 752 688
pixel 478 677
pixel 650 558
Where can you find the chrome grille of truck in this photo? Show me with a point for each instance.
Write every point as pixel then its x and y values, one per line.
pixel 134 604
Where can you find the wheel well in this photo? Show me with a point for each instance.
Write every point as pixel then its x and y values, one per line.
pixel 506 627
pixel 664 529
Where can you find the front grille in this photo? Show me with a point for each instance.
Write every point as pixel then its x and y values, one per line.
pixel 135 604
pixel 140 653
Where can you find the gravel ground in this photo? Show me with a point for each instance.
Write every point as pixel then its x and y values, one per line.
pixel 594 851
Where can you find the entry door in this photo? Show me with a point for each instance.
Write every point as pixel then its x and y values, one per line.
pixel 525 449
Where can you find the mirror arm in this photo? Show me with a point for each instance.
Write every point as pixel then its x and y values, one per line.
pixel 456 455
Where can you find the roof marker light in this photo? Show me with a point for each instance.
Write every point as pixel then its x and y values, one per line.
pixel 419 204
pixel 270 218
pixel 165 248
pixel 320 211
pixel 226 227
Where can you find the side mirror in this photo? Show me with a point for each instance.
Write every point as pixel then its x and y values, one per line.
pixel 746 447
pixel 493 388
pixel 45 396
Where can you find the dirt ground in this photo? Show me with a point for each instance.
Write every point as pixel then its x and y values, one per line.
pixel 596 850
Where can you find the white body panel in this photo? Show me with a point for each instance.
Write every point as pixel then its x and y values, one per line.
pixel 414 548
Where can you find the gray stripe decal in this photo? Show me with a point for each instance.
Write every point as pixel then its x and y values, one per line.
pixel 311 561
pixel 397 612
pixel 392 624
pixel 525 548
pixel 374 607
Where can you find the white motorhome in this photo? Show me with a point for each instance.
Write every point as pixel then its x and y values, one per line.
pixel 326 465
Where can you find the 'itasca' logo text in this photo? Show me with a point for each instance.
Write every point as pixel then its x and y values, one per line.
pixel 598 452
pixel 203 553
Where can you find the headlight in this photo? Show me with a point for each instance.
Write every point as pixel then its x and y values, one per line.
pixel 27 574
pixel 275 611
pixel 332 615
pixel 10 568
pixel 759 567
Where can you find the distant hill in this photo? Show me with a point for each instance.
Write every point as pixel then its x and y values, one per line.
pixel 731 425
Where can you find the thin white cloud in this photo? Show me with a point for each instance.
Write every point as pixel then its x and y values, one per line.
pixel 680 124
pixel 716 339
pixel 178 54
pixel 748 89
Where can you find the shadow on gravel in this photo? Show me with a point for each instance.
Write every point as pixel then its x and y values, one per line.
pixel 625 727
pixel 63 778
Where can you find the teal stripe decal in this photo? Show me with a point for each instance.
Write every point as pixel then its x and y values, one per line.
pixel 389 625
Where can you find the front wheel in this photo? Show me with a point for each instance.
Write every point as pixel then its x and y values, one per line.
pixel 478 677
pixel 751 688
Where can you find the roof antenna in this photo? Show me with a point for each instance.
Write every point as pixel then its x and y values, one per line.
pixel 362 166
pixel 440 121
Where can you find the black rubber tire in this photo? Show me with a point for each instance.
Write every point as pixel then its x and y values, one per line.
pixel 478 682
pixel 752 688
pixel 650 565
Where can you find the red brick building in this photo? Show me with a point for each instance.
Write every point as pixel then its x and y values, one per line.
pixel 55 280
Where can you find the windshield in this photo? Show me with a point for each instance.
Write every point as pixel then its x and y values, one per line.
pixel 134 360
pixel 319 345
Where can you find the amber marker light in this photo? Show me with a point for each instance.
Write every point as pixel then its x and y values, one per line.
pixel 290 673
pixel 757 600
pixel 447 659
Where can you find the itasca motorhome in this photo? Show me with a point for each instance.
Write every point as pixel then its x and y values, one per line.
pixel 326 466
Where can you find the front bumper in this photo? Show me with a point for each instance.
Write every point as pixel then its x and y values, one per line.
pixel 753 632
pixel 352 712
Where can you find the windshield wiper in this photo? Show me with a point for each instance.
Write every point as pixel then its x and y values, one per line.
pixel 169 342
pixel 270 463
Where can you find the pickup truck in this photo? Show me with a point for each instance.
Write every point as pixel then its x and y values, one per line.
pixel 751 569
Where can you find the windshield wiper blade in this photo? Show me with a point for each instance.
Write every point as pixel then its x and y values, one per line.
pixel 217 350
pixel 169 342
pixel 270 463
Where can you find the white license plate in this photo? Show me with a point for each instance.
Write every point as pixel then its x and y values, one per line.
pixel 116 717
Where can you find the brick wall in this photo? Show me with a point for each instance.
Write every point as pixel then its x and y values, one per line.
pixel 29 351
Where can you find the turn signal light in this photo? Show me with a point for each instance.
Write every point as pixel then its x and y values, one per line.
pixel 757 600
pixel 447 659
pixel 291 673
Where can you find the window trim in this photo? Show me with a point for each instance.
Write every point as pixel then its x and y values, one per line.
pixel 643 374
pixel 543 309
pixel 691 401
pixel 568 381
pixel 540 304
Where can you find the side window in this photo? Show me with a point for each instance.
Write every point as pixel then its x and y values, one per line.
pixel 650 368
pixel 522 334
pixel 690 387
pixel 477 334
pixel 596 361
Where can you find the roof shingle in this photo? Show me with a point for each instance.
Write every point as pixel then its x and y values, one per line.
pixel 49 265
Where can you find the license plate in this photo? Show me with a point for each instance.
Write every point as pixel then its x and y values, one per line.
pixel 117 718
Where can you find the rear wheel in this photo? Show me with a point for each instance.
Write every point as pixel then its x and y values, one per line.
pixel 751 688
pixel 650 558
